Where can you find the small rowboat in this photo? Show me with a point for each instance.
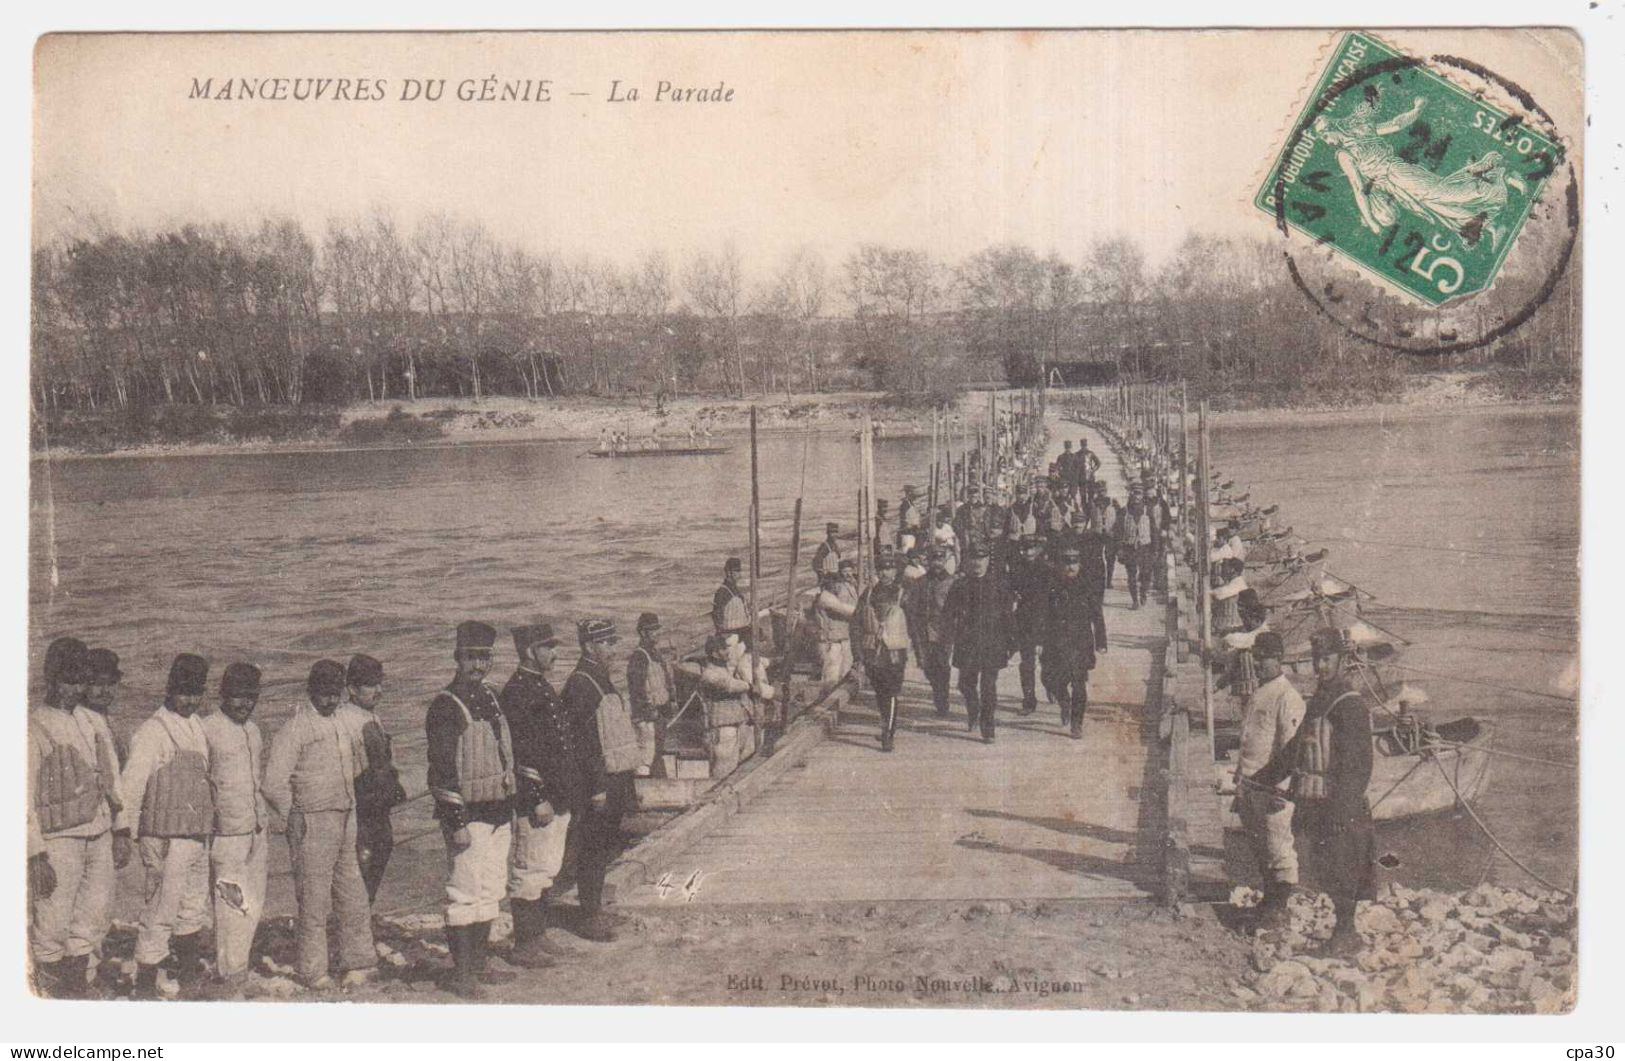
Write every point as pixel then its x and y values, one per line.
pixel 660 451
pixel 1449 765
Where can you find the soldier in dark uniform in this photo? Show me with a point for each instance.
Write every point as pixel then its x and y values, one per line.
pixel 880 632
pixel 471 777
pixel 1029 581
pixel 730 611
pixel 979 611
pixel 927 604
pixel 548 777
pixel 378 789
pixel 1092 541
pixel 1329 762
pixel 1068 620
pixel 595 824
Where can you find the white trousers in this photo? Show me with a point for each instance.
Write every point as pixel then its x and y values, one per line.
pixel 477 874
pixel 177 893
pixel 1268 821
pixel 238 860
pixel 75 919
pixel 837 659
pixel 537 857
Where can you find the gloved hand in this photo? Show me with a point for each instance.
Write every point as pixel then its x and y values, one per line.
pixel 122 849
pixel 461 839
pixel 41 877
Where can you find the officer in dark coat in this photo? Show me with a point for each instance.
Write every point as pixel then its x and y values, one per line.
pixel 880 632
pixel 1329 761
pixel 1091 542
pixel 550 780
pixel 979 618
pixel 595 824
pixel 926 603
pixel 1069 641
pixel 1029 580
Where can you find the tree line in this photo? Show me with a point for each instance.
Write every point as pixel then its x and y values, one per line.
pixel 268 315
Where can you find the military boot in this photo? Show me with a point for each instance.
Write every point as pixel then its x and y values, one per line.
pixel 146 984
pixel 71 977
pixel 1076 723
pixel 529 928
pixel 188 951
pixel 1274 914
pixel 464 981
pixel 482 956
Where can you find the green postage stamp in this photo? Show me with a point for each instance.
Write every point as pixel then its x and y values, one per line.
pixel 1420 182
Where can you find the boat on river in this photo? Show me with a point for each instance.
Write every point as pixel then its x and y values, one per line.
pixel 660 451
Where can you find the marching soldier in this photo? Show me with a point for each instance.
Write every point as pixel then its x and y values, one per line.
pixel 167 796
pixel 609 755
pixel 310 782
pixel 650 684
pixel 882 636
pixel 1029 580
pixel 1329 762
pixel 979 610
pixel 730 611
pixel 238 849
pixel 550 782
pixel 76 832
pixel 1067 620
pixel 378 788
pixel 471 778
pixel 928 613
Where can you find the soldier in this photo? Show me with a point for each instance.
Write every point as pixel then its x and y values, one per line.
pixel 101 691
pixel 471 778
pixel 378 789
pixel 1084 467
pixel 1065 467
pixel 549 781
pixel 885 528
pixel 167 796
pixel 730 611
pixel 1029 580
pixel 1109 521
pixel 1092 543
pixel 1136 548
pixel 832 609
pixel 910 524
pixel 238 849
pixel 596 825
pixel 978 523
pixel 310 781
pixel 1268 723
pixel 881 631
pixel 1067 621
pixel 727 703
pixel 1329 762
pixel 827 558
pixel 979 611
pixel 650 684
pixel 927 606
pixel 946 539
pixel 76 832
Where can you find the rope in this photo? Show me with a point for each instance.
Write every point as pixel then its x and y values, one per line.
pixel 1460 549
pixel 1468 807
pixel 1487 685
pixel 1512 755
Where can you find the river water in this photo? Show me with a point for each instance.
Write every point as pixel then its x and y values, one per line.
pixel 281 558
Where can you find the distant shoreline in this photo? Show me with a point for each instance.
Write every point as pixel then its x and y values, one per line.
pixel 448 422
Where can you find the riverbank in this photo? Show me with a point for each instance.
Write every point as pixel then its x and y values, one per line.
pixel 188 430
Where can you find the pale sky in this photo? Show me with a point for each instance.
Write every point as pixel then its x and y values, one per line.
pixel 946 142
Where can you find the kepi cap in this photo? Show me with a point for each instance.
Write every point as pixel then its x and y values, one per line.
pixel 326 678
pixel 240 679
pixel 1268 645
pixel 101 666
pixel 475 636
pixel 648 621
pixel 188 675
pixel 363 670
pixel 533 634
pixel 64 660
pixel 596 632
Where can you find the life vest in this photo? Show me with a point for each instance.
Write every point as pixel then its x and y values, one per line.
pixel 69 791
pixel 735 615
pixel 656 679
pixel 179 800
pixel 484 758
pixel 1315 753
pixel 616 735
pixel 722 708
pixel 833 610
pixel 234 766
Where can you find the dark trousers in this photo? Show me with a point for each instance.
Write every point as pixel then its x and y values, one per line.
pixel 1131 570
pixel 1111 562
pixel 1072 692
pixel 1097 622
pixel 1335 853
pixel 595 838
pixel 980 688
pixel 374 843
pixel 886 679
pixel 1029 676
pixel 934 661
pixel 1147 557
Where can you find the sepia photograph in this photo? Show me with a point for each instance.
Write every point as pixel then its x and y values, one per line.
pixel 1058 519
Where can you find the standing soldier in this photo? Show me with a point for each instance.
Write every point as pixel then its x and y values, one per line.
pixel 928 604
pixel 827 558
pixel 1135 547
pixel 727 704
pixel 833 609
pixel 882 636
pixel 378 789
pixel 549 780
pixel 979 524
pixel 1268 723
pixel 979 612
pixel 730 611
pixel 885 532
pixel 166 794
pixel 593 704
pixel 101 691
pixel 76 831
pixel 1064 468
pixel 1109 518
pixel 1029 580
pixel 1085 465
pixel 1068 616
pixel 237 852
pixel 471 778
pixel 910 525
pixel 650 684
pixel 1329 762
pixel 310 781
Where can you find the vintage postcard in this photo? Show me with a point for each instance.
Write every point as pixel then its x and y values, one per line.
pixel 1060 519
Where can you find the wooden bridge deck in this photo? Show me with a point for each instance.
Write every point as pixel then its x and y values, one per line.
pixel 1035 815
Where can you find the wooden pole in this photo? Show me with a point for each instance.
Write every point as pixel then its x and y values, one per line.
pixel 755 558
pixel 1204 552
